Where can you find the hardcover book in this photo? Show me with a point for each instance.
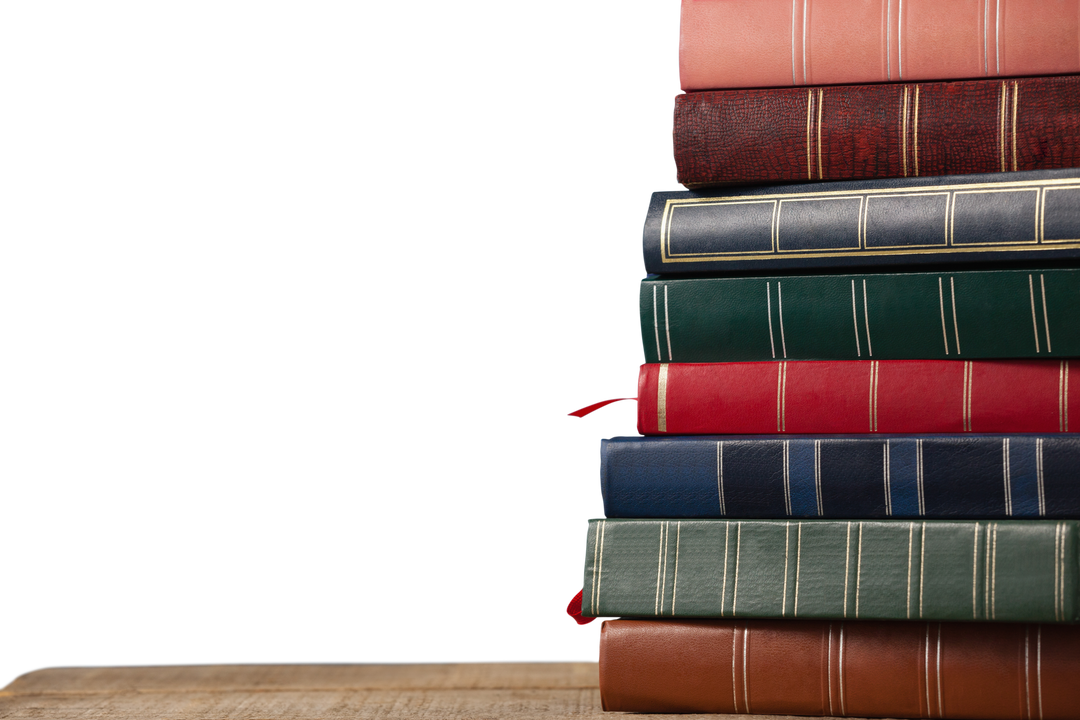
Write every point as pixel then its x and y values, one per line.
pixel 974 477
pixel 889 130
pixel 978 671
pixel 765 43
pixel 1011 570
pixel 967 314
pixel 853 396
pixel 1023 216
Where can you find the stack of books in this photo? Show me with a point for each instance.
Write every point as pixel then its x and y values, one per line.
pixel 858 492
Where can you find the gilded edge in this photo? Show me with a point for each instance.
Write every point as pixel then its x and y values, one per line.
pixel 670 204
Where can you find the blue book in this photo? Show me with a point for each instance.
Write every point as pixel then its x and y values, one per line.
pixel 836 476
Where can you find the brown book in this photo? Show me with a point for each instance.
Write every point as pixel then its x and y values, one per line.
pixel 978 671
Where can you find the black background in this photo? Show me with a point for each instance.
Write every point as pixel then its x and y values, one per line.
pixel 280 452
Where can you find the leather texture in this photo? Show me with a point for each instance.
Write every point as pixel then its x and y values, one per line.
pixel 842 397
pixel 973 314
pixel 979 671
pixel 974 477
pixel 877 131
pixel 1007 571
pixel 777 43
pixel 1022 216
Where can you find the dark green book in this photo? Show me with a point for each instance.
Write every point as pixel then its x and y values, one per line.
pixel 1017 571
pixel 881 316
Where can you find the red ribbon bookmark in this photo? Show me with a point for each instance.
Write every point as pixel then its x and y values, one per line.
pixel 592 408
pixel 574 608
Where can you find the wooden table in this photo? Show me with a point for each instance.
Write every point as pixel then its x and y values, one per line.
pixel 300 692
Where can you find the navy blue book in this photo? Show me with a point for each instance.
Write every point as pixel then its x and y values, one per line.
pixel 1031 216
pixel 836 476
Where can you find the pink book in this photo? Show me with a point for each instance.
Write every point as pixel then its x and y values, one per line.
pixel 776 43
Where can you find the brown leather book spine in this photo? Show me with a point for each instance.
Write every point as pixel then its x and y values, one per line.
pixel 877 131
pixel 863 669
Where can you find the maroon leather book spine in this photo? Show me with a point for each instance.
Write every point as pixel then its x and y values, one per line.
pixel 978 671
pixel 877 131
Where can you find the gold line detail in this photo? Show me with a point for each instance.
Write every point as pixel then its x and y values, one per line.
pixel 820 104
pixel 809 121
pixel 903 131
pixel 779 392
pixel 1034 322
pixel 941 304
pixel 1046 318
pixel 1002 103
pixel 1015 99
pixel 915 145
pixel 596 546
pixel 661 398
pixel 955 324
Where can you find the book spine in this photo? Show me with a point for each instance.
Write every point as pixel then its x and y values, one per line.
pixel 1015 216
pixel 766 43
pixel 937 476
pixel 973 314
pixel 847 397
pixel 877 131
pixel 1008 571
pixel 862 669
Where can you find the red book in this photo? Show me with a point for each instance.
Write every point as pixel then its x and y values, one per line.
pixel 981 671
pixel 877 131
pixel 856 396
pixel 777 43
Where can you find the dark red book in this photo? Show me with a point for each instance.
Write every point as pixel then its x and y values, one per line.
pixel 856 396
pixel 877 131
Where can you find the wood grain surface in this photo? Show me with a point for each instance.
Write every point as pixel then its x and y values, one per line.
pixel 303 692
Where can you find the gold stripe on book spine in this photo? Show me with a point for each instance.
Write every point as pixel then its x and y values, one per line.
pixel 661 398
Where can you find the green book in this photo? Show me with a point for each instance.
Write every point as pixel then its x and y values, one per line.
pixel 1015 570
pixel 874 316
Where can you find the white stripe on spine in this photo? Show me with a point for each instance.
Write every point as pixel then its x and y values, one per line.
pixel 675 580
pixel 787 476
pixel 720 475
pixel 1007 474
pixel 745 651
pixel 1039 476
